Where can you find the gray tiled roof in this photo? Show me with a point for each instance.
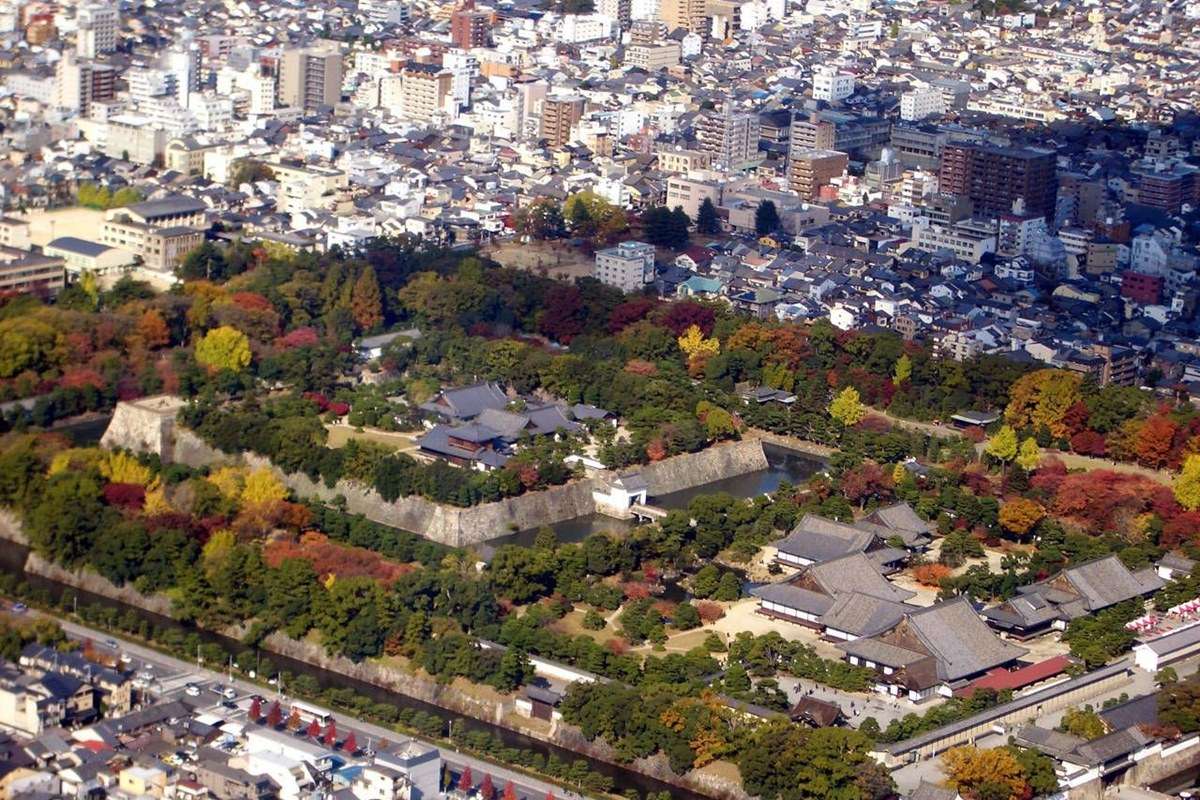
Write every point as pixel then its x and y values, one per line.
pixel 794 597
pixel 468 402
pixel 856 573
pixel 962 644
pixel 1176 640
pixel 881 652
pixel 901 516
pixel 819 539
pixel 1023 611
pixel 932 791
pixel 1114 745
pixel 1106 581
pixel 863 615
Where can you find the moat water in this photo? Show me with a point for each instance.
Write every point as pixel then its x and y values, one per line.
pixel 785 465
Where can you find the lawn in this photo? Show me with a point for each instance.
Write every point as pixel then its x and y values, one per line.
pixel 572 625
pixel 340 434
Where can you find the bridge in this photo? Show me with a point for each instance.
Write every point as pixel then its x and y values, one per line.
pixel 647 512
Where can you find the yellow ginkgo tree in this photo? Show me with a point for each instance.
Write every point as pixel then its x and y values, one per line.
pixel 695 346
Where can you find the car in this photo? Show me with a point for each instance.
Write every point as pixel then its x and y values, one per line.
pixel 19 608
pixel 111 644
pixel 192 690
pixel 229 693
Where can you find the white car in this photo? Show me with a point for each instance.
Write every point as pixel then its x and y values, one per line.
pixel 191 690
pixel 229 693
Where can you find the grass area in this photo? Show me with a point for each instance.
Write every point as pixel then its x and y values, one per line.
pixel 1076 461
pixel 572 625
pixel 340 434
pixel 683 642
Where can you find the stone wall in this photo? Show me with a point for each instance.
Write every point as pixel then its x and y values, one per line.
pixel 711 464
pixel 97 584
pixel 11 528
pixel 192 451
pixel 450 525
pixel 146 425
pixel 140 426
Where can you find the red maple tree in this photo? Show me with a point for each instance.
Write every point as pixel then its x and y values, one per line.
pixel 330 738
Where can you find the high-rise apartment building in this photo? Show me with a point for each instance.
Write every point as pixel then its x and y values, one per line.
pixel 426 91
pixel 311 77
pixel 619 10
pixel 559 115
pixel 97 29
pixel 994 177
pixel 470 27
pixel 809 169
pixel 687 14
pixel 731 137
pixel 74 77
pixel 860 136
pixel 184 63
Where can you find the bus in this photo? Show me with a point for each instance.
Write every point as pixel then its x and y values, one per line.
pixel 308 713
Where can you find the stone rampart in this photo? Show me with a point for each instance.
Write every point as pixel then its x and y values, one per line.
pixel 149 426
pixel 714 463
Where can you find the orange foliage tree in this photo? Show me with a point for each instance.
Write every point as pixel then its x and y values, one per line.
pixel 1019 515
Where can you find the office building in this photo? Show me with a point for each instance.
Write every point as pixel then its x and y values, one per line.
pixel 690 193
pixel 311 77
pixel 967 239
pixel 731 137
pixel 809 169
pixel 559 115
pixel 993 178
pixel 647 31
pixel 629 266
pixel 97 29
pixel 654 57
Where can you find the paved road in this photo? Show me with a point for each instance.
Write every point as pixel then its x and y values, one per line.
pixel 172 675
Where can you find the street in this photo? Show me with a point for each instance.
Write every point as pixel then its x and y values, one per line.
pixel 172 677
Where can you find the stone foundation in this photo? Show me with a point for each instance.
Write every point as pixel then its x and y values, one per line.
pixel 149 426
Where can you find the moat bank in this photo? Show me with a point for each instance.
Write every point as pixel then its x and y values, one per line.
pixel 378 682
pixel 149 425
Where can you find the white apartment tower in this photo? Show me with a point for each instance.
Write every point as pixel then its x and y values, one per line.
pixel 97 23
pixel 832 86
pixel 921 103
pixel 183 62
